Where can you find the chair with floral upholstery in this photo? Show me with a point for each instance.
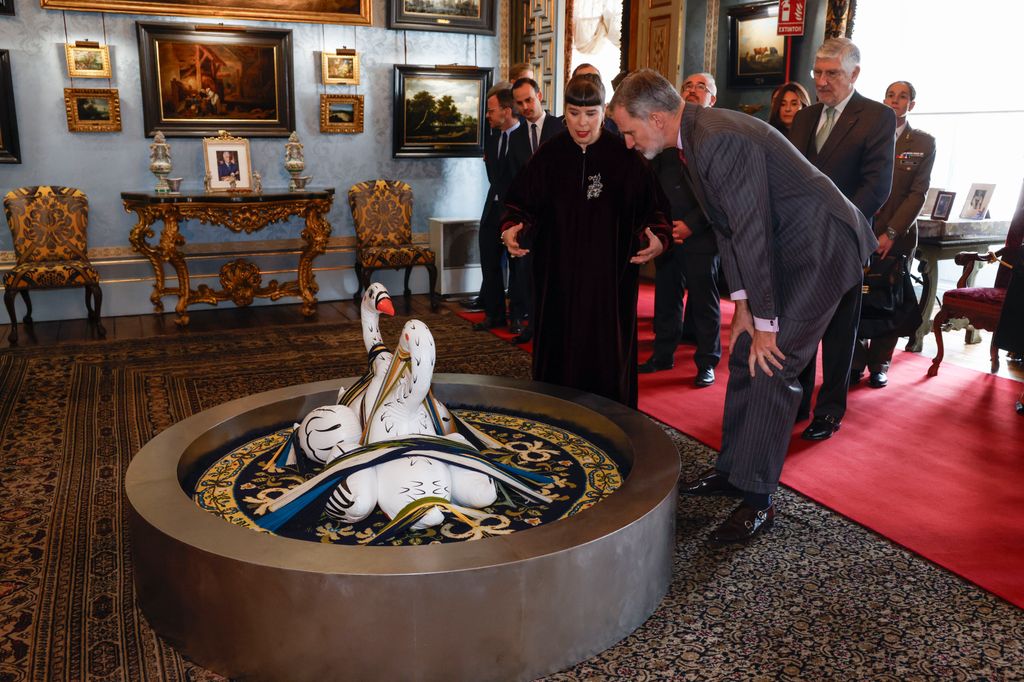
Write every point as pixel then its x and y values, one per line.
pixel 49 229
pixel 382 213
pixel 980 306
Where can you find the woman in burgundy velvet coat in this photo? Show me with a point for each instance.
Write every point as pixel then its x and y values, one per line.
pixel 591 211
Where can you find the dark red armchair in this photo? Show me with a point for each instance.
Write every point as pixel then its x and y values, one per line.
pixel 981 306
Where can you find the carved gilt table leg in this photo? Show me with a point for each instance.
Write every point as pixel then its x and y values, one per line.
pixel 315 236
pixel 137 238
pixel 170 240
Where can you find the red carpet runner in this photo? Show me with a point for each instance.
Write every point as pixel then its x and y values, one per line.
pixel 935 465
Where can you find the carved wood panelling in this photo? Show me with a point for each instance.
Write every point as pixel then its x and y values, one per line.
pixel 660 44
pixel 537 43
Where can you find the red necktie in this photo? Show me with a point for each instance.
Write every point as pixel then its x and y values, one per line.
pixel 682 156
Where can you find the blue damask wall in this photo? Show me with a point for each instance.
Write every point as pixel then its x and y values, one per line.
pixel 105 164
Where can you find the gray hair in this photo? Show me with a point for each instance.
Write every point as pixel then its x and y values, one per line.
pixel 842 49
pixel 644 92
pixel 712 86
pixel 498 87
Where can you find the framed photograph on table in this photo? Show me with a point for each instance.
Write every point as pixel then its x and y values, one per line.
pixel 93 110
pixel 929 201
pixel 228 163
pixel 758 56
pixel 340 68
pixel 439 110
pixel 976 206
pixel 87 61
pixel 197 80
pixel 943 205
pixel 466 16
pixel 10 147
pixel 341 113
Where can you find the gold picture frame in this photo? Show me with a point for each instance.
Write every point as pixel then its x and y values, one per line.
pixel 339 68
pixel 341 113
pixel 87 61
pixel 227 158
pixel 314 11
pixel 93 110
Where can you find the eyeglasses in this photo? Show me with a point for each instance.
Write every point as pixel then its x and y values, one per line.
pixel 830 75
pixel 695 86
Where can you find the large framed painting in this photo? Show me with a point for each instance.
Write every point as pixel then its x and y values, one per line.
pixel 315 11
pixel 463 16
pixel 439 110
pixel 196 82
pixel 758 56
pixel 10 149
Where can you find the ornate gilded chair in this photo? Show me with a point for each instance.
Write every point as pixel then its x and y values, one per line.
pixel 48 225
pixel 382 213
pixel 980 306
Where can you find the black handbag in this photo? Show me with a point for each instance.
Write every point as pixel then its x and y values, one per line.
pixel 882 291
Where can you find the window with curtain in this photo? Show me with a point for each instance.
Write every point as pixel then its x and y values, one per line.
pixel 597 34
pixel 963 58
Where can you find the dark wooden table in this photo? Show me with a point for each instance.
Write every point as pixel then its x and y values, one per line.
pixel 246 212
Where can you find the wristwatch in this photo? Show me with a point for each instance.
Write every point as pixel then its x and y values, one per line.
pixel 891 233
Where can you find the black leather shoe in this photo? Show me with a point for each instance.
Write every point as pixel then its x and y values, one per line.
pixel 705 377
pixel 653 365
pixel 524 336
pixel 488 323
pixel 516 327
pixel 711 483
pixel 473 303
pixel 878 380
pixel 743 525
pixel 821 428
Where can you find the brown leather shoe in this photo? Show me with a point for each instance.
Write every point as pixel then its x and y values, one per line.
pixel 743 525
pixel 710 483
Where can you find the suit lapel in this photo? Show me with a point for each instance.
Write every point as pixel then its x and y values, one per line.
pixel 686 128
pixel 844 125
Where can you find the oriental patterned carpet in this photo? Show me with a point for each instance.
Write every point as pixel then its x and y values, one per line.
pixel 818 598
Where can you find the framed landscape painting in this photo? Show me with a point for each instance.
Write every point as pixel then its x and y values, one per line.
pixel 196 81
pixel 439 110
pixel 464 16
pixel 87 61
pixel 341 113
pixel 758 56
pixel 92 110
pixel 316 11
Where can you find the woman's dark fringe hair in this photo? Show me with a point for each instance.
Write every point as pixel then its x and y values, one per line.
pixel 585 90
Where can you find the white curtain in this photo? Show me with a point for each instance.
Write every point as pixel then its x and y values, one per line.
pixel 594 20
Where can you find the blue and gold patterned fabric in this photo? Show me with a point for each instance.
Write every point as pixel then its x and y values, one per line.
pixel 382 213
pixel 48 225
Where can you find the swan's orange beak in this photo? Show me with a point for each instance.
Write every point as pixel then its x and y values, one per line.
pixel 385 306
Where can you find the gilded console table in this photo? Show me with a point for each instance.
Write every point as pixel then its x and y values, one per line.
pixel 241 280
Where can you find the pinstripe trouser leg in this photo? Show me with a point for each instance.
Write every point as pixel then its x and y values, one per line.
pixel 759 411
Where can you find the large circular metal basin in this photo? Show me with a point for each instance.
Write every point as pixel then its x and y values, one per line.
pixel 257 606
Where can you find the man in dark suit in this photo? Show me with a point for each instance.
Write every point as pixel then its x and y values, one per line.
pixel 538 127
pixel 791 245
pixel 896 224
pixel 849 138
pixel 691 265
pixel 503 161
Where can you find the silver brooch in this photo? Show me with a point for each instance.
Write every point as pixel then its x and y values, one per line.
pixel 595 186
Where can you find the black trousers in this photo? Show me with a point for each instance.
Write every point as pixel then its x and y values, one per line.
pixel 836 359
pixel 520 286
pixel 492 267
pixel 697 273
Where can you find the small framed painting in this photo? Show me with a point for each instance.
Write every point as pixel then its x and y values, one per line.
pixel 340 68
pixel 87 61
pixel 943 205
pixel 758 55
pixel 976 206
pixel 341 113
pixel 228 163
pixel 93 110
pixel 439 110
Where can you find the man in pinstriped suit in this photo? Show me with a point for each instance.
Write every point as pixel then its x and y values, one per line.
pixel 791 245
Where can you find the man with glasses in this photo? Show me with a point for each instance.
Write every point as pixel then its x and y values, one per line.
pixel 849 138
pixel 691 265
